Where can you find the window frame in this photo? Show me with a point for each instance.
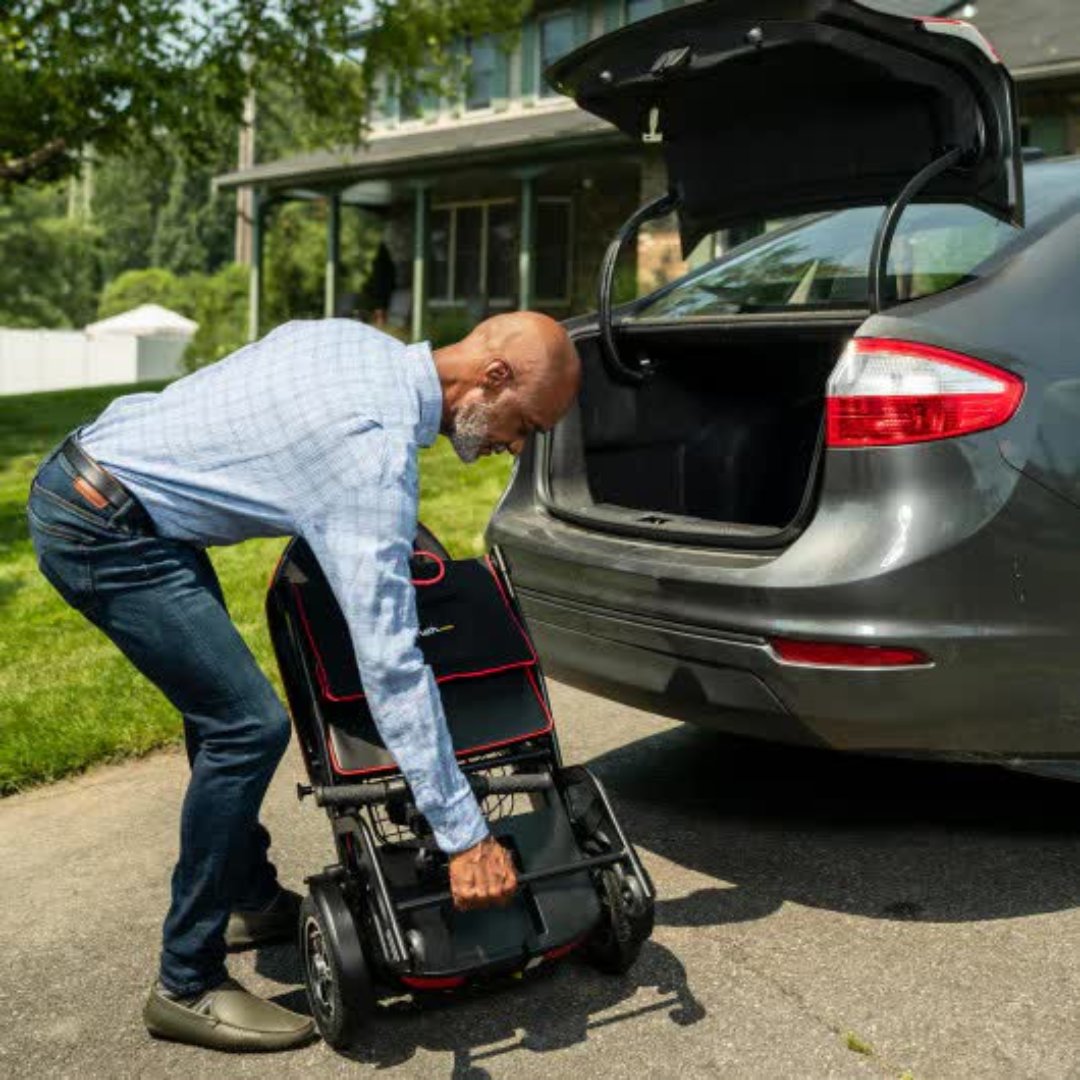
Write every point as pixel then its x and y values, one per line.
pixel 451 299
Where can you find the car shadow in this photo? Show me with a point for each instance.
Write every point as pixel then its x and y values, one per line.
pixel 549 1009
pixel 878 837
pixel 871 836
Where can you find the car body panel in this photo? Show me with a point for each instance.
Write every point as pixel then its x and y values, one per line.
pixel 841 104
pixel 677 630
pixel 964 548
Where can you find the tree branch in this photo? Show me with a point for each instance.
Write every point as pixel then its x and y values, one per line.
pixel 20 169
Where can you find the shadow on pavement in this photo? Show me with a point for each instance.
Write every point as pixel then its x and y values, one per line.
pixel 547 1010
pixel 878 837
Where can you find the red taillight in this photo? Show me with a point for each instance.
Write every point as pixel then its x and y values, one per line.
pixel 887 393
pixel 836 654
pixel 433 982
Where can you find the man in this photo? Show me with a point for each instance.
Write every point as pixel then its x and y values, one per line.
pixel 312 431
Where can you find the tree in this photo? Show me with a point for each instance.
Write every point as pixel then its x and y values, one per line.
pixel 51 271
pixel 113 74
pixel 296 256
pixel 194 229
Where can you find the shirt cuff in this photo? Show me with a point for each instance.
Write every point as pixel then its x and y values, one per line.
pixel 459 824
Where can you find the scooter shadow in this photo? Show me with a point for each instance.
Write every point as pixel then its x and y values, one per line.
pixel 544 1011
pixel 871 836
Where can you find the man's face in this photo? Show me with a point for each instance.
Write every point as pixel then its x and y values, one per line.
pixel 494 423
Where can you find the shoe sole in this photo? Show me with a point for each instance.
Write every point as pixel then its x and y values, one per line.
pixel 245 1043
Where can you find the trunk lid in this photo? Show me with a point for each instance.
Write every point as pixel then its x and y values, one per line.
pixel 767 108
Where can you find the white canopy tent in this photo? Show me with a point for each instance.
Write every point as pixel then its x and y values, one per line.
pixel 146 320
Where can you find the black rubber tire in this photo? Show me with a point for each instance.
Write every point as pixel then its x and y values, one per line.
pixel 616 942
pixel 339 988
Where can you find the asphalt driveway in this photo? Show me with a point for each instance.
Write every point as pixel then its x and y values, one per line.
pixel 820 916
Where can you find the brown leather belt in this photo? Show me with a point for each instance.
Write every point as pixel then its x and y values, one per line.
pixel 103 484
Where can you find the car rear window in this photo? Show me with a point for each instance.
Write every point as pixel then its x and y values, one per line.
pixel 820 262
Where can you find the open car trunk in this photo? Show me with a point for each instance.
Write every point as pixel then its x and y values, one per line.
pixel 722 446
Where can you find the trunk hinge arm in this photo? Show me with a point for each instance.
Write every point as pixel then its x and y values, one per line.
pixel 656 208
pixel 890 219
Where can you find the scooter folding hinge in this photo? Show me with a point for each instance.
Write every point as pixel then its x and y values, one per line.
pixel 653 135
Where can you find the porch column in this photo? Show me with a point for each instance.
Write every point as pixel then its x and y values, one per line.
pixel 255 273
pixel 526 268
pixel 420 252
pixel 333 253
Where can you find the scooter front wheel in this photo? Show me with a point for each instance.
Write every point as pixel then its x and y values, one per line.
pixel 336 974
pixel 625 925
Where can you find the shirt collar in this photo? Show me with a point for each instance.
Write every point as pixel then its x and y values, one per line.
pixel 429 390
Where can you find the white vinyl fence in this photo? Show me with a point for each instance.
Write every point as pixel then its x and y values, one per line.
pixel 33 360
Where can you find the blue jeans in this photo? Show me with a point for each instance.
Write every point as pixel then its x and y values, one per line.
pixel 160 601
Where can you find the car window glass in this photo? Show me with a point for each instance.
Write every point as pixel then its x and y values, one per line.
pixel 821 261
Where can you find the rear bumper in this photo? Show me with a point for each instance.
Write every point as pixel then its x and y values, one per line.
pixel 683 632
pixel 706 679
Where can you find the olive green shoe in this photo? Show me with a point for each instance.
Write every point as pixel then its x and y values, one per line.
pixel 227 1017
pixel 276 922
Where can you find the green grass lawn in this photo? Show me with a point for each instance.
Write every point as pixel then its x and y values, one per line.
pixel 68 698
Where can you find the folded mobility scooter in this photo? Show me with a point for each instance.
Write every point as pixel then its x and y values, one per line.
pixel 380 922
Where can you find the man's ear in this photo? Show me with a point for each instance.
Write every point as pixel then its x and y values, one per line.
pixel 497 374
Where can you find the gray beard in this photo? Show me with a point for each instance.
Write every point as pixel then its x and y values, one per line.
pixel 471 426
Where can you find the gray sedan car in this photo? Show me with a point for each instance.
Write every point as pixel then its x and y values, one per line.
pixel 826 488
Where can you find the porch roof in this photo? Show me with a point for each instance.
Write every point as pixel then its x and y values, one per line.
pixel 517 137
pixel 1039 39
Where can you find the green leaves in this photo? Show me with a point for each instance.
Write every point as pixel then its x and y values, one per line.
pixel 112 74
pixel 51 270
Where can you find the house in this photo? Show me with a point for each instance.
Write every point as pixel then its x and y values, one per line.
pixel 505 194
pixel 1040 42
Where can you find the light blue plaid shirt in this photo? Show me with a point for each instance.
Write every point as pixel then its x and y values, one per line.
pixel 313 431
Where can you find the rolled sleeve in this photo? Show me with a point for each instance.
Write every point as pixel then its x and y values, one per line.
pixel 363 543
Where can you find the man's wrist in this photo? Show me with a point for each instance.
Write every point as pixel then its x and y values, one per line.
pixel 458 825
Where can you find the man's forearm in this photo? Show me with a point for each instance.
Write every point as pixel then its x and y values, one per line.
pixel 408 713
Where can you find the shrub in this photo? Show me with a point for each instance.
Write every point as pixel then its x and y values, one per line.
pixel 153 286
pixel 447 325
pixel 221 312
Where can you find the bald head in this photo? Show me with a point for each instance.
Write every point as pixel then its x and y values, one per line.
pixel 512 375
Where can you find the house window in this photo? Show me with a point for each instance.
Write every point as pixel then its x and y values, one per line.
pixel 440 244
pixel 502 249
pixel 480 80
pixel 468 249
pixel 553 231
pixel 1048 133
pixel 641 9
pixel 474 252
pixel 383 106
pixel 410 106
pixel 556 39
